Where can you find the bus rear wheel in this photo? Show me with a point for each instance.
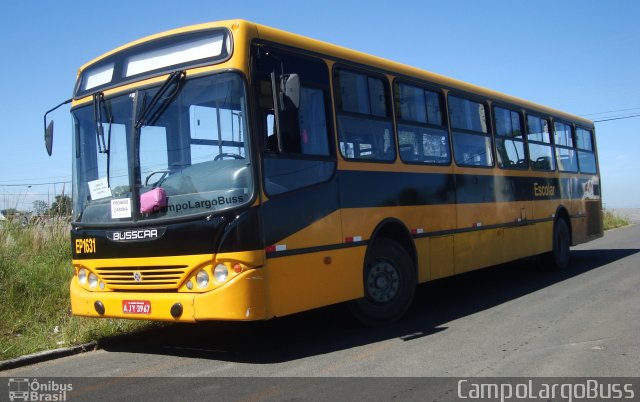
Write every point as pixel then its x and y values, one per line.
pixel 389 284
pixel 558 258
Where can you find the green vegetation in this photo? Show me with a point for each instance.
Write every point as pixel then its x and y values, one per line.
pixel 35 271
pixel 611 220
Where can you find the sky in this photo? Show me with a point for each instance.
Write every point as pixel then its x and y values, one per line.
pixel 582 57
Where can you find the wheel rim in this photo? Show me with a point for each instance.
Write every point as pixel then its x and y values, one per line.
pixel 383 281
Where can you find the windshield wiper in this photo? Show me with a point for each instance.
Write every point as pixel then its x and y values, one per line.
pixel 152 111
pixel 103 146
pixel 98 98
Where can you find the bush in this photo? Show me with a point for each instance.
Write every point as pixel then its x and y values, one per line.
pixel 612 220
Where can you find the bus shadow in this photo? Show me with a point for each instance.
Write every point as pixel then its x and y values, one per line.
pixel 332 329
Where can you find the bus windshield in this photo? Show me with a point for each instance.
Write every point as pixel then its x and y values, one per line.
pixel 190 155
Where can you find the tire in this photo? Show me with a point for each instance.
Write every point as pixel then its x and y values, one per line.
pixel 389 284
pixel 558 258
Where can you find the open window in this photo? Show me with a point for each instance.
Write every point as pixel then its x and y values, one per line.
pixel 296 138
pixel 471 137
pixel 541 155
pixel 365 128
pixel 510 148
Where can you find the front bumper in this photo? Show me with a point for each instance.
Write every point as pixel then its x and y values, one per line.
pixel 241 299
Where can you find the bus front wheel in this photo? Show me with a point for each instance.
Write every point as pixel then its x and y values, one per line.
pixel 389 284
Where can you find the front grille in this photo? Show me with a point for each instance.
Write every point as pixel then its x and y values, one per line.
pixel 155 277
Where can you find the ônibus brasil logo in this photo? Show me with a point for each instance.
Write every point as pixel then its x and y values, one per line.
pixel 24 389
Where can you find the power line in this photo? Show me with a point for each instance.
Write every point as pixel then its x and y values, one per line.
pixel 611 111
pixel 24 194
pixel 37 179
pixel 617 118
pixel 35 184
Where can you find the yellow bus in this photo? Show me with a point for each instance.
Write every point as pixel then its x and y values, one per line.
pixel 233 171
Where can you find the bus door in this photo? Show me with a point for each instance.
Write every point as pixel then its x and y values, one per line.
pixel 300 213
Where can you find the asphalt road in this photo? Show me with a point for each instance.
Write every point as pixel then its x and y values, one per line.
pixel 514 320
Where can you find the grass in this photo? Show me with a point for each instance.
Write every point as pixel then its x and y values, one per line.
pixel 612 220
pixel 35 271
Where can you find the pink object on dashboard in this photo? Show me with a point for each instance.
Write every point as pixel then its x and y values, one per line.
pixel 153 200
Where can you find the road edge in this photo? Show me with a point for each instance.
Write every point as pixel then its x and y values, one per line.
pixel 47 355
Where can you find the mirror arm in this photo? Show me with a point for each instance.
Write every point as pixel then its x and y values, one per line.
pixel 51 110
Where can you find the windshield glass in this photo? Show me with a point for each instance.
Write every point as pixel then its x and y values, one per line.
pixel 192 157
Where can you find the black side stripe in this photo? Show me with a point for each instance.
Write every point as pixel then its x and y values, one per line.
pixel 330 247
pixel 287 214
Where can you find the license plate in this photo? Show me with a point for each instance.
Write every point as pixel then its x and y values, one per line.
pixel 136 307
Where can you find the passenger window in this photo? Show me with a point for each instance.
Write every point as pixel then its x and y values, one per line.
pixel 565 154
pixel 467 115
pixel 377 97
pixel 510 149
pixel 563 134
pixel 364 126
pixel 541 155
pixel 354 92
pixel 471 141
pixel 583 139
pixel 586 154
pixel 422 138
pixel 538 129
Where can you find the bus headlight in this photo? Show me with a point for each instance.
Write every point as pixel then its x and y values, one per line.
pixel 221 273
pixel 93 280
pixel 82 276
pixel 202 279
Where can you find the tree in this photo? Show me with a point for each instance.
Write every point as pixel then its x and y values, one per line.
pixel 40 207
pixel 61 206
pixel 9 212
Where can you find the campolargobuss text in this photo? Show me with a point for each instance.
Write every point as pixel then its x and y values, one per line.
pixel 201 204
pixel 530 390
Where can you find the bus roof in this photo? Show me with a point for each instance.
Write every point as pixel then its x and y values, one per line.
pixel 343 54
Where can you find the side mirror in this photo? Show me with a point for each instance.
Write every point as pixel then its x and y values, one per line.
pixel 48 131
pixel 48 138
pixel 290 86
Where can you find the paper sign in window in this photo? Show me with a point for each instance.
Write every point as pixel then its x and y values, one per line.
pixel 99 189
pixel 121 208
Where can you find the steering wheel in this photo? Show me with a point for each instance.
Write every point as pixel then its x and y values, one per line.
pixel 227 155
pixel 155 172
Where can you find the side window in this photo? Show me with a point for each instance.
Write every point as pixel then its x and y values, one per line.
pixel 510 149
pixel 304 156
pixel 312 120
pixel 422 136
pixel 565 153
pixel 364 123
pixel 541 154
pixel 586 151
pixel 471 138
